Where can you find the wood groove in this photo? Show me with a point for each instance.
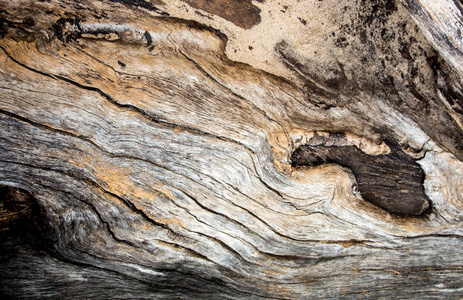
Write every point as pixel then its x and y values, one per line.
pixel 133 108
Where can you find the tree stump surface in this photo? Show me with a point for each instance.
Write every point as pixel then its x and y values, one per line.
pixel 149 150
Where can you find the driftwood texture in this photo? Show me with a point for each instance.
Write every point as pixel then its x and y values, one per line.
pixel 392 181
pixel 160 168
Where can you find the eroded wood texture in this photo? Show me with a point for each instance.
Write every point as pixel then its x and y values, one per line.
pixel 441 22
pixel 163 170
pixel 392 181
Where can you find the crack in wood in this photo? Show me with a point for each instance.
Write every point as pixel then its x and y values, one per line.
pixel 126 202
pixel 140 111
pixel 202 70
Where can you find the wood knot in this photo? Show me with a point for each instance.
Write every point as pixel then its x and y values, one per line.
pixel 392 181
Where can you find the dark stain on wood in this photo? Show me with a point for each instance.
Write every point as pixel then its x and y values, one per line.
pixel 148 5
pixel 147 37
pixel 303 21
pixel 65 35
pixel 240 12
pixel 121 64
pixel 450 88
pixel 315 88
pixel 408 90
pixel 393 182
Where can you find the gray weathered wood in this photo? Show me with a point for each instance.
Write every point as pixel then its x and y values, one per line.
pixel 162 169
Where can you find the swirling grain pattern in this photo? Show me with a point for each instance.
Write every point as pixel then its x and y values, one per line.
pixel 162 170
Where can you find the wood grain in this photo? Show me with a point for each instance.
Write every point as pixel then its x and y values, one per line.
pixel 441 22
pixel 162 169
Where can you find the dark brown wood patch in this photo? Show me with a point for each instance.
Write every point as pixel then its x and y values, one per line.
pixel 240 12
pixel 393 182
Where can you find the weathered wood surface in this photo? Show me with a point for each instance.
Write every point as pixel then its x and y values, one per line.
pixel 392 181
pixel 162 169
pixel 441 22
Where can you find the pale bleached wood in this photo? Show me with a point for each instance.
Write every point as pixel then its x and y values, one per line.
pixel 163 170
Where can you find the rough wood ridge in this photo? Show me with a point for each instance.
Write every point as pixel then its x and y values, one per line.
pixel 159 168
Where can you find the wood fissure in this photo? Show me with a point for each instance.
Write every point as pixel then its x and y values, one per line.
pixel 150 117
